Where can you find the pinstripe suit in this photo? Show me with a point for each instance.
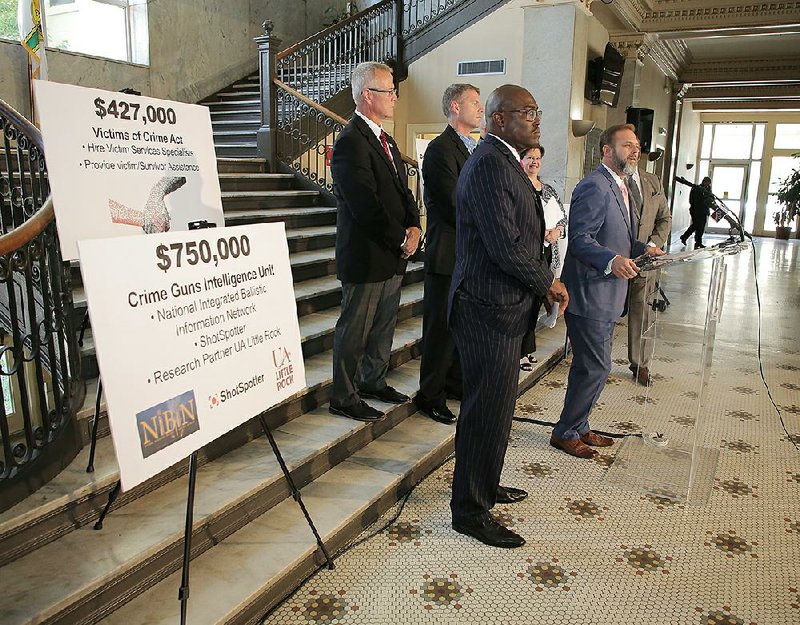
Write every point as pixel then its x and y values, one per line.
pixel 598 231
pixel 499 278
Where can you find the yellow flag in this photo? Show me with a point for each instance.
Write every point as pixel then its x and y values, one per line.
pixel 29 21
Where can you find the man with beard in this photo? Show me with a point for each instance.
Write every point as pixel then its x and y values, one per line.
pixel 499 280
pixel 596 271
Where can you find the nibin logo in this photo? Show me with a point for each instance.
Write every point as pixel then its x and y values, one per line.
pixel 239 389
pixel 284 374
pixel 166 423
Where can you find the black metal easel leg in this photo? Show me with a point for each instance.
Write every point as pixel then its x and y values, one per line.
pixel 183 591
pixel 664 295
pixel 295 493
pixel 111 497
pixel 90 467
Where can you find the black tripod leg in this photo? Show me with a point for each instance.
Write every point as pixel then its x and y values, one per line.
pixel 90 467
pixel 664 295
pixel 111 498
pixel 293 488
pixel 183 591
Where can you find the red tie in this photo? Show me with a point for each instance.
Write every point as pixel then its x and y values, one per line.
pixel 386 149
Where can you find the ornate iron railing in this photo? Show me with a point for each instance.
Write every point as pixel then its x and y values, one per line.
pixel 320 66
pixel 40 382
pixel 420 13
pixel 306 134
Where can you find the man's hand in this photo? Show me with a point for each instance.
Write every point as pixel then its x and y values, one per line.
pixel 412 241
pixel 655 251
pixel 557 295
pixel 624 268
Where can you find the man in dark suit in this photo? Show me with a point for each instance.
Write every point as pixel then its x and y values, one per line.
pixel 596 272
pixel 652 224
pixel 700 202
pixel 440 372
pixel 500 277
pixel 377 229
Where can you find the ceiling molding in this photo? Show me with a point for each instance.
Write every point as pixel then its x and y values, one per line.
pixel 743 70
pixel 749 93
pixel 697 15
pixel 671 56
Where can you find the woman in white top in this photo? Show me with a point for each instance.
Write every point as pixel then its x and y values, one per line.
pixel 554 234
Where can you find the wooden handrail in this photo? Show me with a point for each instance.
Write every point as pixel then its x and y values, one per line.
pixel 32 228
pixel 330 29
pixel 325 111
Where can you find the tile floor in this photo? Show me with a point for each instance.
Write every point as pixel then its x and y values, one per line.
pixel 597 553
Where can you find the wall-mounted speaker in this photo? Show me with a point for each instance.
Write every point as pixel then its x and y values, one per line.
pixel 642 119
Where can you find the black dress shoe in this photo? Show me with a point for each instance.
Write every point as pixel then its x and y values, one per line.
pixel 360 412
pixel 441 414
pixel 508 494
pixel 490 533
pixel 387 394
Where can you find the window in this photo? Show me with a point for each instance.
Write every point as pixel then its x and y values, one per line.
pixel 115 29
pixel 8 19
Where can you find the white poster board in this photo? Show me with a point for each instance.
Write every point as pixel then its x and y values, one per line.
pixel 121 164
pixel 196 332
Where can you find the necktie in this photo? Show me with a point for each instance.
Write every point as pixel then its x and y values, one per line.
pixel 625 198
pixel 635 195
pixel 386 149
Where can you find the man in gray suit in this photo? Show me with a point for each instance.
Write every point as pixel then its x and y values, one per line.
pixel 499 280
pixel 652 224
pixel 596 273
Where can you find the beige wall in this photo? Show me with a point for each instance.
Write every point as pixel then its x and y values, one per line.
pixel 197 47
pixel 499 36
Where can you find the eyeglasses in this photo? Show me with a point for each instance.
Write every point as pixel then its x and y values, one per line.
pixel 394 91
pixel 530 114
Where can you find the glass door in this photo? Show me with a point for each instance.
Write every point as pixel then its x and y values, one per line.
pixel 729 183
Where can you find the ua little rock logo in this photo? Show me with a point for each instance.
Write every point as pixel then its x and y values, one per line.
pixel 284 370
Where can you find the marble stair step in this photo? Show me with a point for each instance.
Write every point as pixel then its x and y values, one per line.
pixel 293 217
pixel 142 541
pixel 75 498
pixel 253 200
pixel 255 182
pixel 241 165
pixel 245 574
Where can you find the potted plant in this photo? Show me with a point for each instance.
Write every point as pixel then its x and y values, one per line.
pixel 789 198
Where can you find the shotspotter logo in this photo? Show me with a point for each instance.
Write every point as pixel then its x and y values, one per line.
pixel 240 388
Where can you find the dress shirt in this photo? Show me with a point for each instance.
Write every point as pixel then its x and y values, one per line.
pixel 620 183
pixel 514 153
pixel 468 142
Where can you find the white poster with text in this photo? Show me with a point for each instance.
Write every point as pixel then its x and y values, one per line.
pixel 122 164
pixel 196 332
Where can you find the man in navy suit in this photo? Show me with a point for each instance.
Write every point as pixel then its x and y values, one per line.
pixel 377 229
pixel 439 371
pixel 499 280
pixel 602 243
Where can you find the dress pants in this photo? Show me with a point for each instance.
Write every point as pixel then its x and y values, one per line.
pixel 591 364
pixel 640 316
pixel 490 369
pixel 440 370
pixel 362 343
pixel 698 226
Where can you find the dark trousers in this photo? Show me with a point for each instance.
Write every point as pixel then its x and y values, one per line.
pixel 591 364
pixel 440 370
pixel 490 369
pixel 698 226
pixel 362 343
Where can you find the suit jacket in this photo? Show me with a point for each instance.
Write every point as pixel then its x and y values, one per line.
pixel 500 270
pixel 443 162
pixel 598 231
pixel 655 220
pixel 374 206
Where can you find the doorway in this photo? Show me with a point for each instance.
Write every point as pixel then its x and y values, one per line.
pixel 729 182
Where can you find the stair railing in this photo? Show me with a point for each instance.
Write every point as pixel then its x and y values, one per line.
pixel 305 136
pixel 40 381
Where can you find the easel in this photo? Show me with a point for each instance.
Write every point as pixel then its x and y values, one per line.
pixel 183 591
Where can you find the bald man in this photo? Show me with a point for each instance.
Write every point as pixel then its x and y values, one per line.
pixel 499 280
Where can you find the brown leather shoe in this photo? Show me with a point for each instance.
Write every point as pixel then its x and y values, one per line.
pixel 641 375
pixel 573 447
pixel 596 440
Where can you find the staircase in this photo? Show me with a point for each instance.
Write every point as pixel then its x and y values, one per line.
pixel 251 545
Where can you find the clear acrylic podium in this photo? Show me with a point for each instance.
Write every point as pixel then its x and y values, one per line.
pixel 676 465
